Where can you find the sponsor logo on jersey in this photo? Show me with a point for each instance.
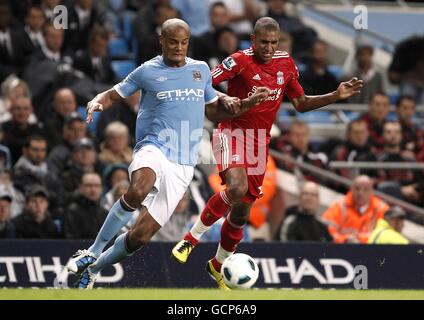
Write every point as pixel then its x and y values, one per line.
pixel 181 95
pixel 197 75
pixel 161 79
pixel 257 77
pixel 280 78
pixel 229 63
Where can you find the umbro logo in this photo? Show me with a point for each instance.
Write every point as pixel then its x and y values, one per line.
pixel 161 79
pixel 256 77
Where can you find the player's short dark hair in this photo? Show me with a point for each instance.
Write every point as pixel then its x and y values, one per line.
pixel 404 97
pixel 267 24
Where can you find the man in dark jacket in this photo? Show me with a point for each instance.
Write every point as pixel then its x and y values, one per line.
pixel 35 222
pixel 84 215
pixel 7 229
pixel 301 223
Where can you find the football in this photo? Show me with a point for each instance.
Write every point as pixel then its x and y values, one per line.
pixel 240 271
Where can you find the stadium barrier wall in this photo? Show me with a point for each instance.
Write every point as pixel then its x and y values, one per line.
pixel 36 263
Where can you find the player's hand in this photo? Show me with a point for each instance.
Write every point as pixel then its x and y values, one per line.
pixel 349 88
pixel 231 104
pixel 93 106
pixel 259 96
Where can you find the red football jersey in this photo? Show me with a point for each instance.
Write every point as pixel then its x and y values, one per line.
pixel 245 73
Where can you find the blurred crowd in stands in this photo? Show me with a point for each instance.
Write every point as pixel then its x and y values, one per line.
pixel 60 176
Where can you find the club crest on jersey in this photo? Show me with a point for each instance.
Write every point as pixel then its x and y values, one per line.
pixel 280 77
pixel 197 75
pixel 229 63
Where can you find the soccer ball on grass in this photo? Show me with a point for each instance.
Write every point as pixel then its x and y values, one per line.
pixel 240 271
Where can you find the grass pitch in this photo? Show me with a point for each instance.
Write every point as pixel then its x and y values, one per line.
pixel 208 294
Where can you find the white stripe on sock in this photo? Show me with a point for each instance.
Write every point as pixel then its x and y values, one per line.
pixel 222 254
pixel 199 229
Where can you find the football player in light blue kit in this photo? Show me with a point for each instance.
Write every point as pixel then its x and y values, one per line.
pixel 174 92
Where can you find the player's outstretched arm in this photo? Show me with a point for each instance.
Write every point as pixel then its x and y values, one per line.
pixel 101 102
pixel 233 107
pixel 345 90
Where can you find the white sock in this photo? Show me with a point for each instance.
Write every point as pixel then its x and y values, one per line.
pixel 222 254
pixel 199 229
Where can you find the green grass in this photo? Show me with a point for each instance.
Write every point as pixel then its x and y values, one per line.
pixel 207 294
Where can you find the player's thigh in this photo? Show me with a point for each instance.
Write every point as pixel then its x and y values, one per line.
pixel 173 186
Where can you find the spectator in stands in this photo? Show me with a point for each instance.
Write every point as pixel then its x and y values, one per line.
pixel 303 36
pixel 302 223
pixel 83 160
pixel 316 78
pixel 13 88
pixel 389 228
pixel 35 221
pixel 48 7
pixel 401 183
pixel 7 187
pixel 365 70
pixel 113 174
pixel 114 194
pixel 5 157
pixel 31 168
pixel 18 129
pixel 412 134
pixel 205 45
pixel 64 104
pixel 149 42
pixel 177 225
pixel 53 43
pixel 84 216
pixel 74 129
pixel 226 43
pixel 242 15
pixel 407 68
pixel 352 218
pixel 298 148
pixel 14 46
pixel 285 42
pixel 7 228
pixel 115 149
pixel 195 13
pixel 95 61
pixel 124 111
pixel 356 148
pixel 378 109
pixel 83 15
pixel 34 21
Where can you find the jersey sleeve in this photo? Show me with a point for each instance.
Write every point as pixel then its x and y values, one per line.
pixel 293 88
pixel 227 69
pixel 132 83
pixel 210 93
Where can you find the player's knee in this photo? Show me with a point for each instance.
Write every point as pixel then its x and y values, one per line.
pixel 136 240
pixel 237 191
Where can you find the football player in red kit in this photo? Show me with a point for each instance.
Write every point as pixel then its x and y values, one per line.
pixel 241 143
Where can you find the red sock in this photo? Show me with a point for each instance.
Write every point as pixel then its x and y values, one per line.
pixel 190 238
pixel 231 235
pixel 216 207
pixel 216 265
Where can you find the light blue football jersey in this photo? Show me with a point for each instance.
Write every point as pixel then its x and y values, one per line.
pixel 172 106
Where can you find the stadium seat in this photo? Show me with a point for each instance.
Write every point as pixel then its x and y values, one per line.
pixel 393 96
pixel 245 44
pixel 336 70
pixel 127 26
pixel 118 48
pixel 123 67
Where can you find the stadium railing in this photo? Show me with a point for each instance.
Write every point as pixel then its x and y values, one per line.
pixel 416 213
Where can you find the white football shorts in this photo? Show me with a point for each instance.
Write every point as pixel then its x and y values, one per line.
pixel 172 181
